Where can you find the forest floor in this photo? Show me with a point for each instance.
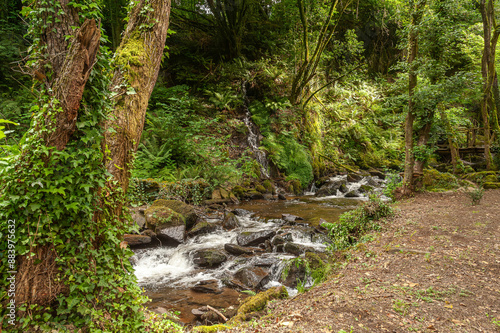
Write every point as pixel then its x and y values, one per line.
pixel 434 267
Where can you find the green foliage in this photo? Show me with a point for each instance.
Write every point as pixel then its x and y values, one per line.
pixel 393 181
pixel 187 190
pixel 290 156
pixel 353 224
pixel 476 194
pixel 178 143
pixel 313 266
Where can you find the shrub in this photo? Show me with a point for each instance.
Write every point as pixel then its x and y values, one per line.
pixel 353 224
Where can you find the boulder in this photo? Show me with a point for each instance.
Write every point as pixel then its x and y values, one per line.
pixel 365 189
pixel 239 250
pixel 166 222
pixel 281 196
pixel 254 195
pixel 321 238
pixel 331 187
pixel 136 239
pixel 378 173
pixel 291 218
pixel 180 207
pixel 202 227
pixel 209 257
pixel 230 221
pixel 252 277
pixel 249 238
pixel 137 214
pixel 352 194
pixel 354 177
pixel 207 287
pixel 296 249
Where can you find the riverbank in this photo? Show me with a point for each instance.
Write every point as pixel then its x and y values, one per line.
pixel 434 267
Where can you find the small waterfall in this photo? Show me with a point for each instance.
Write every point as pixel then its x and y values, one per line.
pixel 252 137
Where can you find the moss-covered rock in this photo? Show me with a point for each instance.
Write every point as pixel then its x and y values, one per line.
pixel 239 191
pixel 158 217
pixel 260 188
pixel 269 186
pixel 209 257
pixel 295 186
pixel 482 176
pixel 180 207
pixel 491 185
pixel 202 227
pixel 434 180
pixel 258 302
pixel 211 329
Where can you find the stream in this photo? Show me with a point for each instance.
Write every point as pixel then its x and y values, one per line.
pixel 172 280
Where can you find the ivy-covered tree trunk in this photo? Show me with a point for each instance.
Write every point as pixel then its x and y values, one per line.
pixel 57 190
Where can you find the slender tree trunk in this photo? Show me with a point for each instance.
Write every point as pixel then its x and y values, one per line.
pixel 423 138
pixel 412 84
pixel 452 140
pixel 491 34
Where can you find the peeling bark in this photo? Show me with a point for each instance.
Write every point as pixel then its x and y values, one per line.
pixel 70 81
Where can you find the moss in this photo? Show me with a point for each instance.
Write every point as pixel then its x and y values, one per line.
pixel 268 186
pixel 200 226
pixel 180 207
pixel 260 188
pixel 131 52
pixel 258 302
pixel 491 185
pixel 238 191
pixel 210 329
pixel 295 186
pixel 483 176
pixel 435 181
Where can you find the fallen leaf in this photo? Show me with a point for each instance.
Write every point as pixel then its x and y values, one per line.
pixel 449 306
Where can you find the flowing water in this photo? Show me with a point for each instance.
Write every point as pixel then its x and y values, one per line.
pixel 168 273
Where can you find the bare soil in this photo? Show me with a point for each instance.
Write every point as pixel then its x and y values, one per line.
pixel 434 267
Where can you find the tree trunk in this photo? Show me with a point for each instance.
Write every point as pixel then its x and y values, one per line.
pixel 412 84
pixel 139 58
pixel 138 61
pixel 423 138
pixel 491 34
pixel 452 140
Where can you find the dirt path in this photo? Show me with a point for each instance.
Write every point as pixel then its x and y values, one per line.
pixel 435 267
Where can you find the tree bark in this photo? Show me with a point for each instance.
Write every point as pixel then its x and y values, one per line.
pixel 490 36
pixel 417 12
pixel 423 138
pixel 139 58
pixel 452 140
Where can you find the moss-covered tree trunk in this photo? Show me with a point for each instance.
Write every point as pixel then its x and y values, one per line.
pixel 490 35
pixel 138 60
pixel 417 12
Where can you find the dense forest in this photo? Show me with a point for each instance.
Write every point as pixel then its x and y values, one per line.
pixel 106 105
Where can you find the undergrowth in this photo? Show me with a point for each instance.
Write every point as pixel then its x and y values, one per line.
pixel 353 224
